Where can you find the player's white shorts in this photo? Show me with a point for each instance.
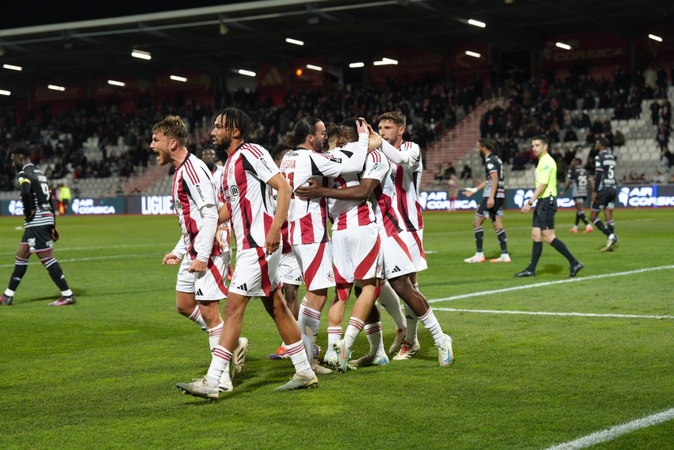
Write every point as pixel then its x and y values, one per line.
pixel 208 285
pixel 355 253
pixel 289 271
pixel 255 272
pixel 316 263
pixel 417 249
pixel 396 255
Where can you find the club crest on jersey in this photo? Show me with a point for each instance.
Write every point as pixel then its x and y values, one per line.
pixel 234 191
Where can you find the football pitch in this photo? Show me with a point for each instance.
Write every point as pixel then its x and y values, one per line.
pixel 540 362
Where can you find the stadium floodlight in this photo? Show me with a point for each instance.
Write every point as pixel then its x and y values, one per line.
pixel 473 54
pixel 294 41
pixel 386 62
pixel 4 92
pixel 55 87
pixel 476 23
pixel 356 65
pixel 316 68
pixel 178 78
pixel 563 45
pixel 140 54
pixel 248 73
pixel 116 83
pixel 12 67
pixel 655 37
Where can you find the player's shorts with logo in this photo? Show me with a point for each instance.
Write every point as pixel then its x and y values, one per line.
pixel 356 253
pixel 255 273
pixel 208 285
pixel 38 239
pixel 605 199
pixel 289 271
pixel 492 213
pixel 396 254
pixel 316 263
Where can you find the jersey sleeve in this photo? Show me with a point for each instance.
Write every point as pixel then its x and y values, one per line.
pixel 199 182
pixel 262 163
pixel 376 166
pixel 347 160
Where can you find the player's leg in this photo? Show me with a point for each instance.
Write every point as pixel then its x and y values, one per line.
pixel 56 274
pixel 422 309
pixel 290 333
pixel 316 263
pixel 20 268
pixel 335 319
pixel 548 234
pixel 497 221
pixel 478 231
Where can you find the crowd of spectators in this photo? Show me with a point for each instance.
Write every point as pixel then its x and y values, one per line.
pixel 559 109
pixel 58 140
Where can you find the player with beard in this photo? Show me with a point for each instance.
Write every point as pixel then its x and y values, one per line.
pixel 256 223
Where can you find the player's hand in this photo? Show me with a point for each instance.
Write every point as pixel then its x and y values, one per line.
pixel 55 234
pixel 361 126
pixel 198 266
pixel 490 203
pixel 307 192
pixel 220 234
pixel 170 259
pixel 525 208
pixel 273 240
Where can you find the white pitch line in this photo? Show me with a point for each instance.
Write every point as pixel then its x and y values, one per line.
pixel 614 432
pixel 548 283
pixel 541 313
pixel 36 262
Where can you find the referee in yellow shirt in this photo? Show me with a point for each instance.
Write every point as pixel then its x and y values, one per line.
pixel 544 213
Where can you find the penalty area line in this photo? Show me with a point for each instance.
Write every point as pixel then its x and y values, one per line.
pixel 548 283
pixel 614 432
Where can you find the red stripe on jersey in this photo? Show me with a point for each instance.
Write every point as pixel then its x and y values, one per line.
pixel 191 171
pixel 367 263
pixel 364 214
pixel 252 149
pixel 312 268
pixel 402 198
pixel 306 229
pixel 244 204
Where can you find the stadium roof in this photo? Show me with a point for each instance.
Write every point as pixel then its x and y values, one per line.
pixel 216 37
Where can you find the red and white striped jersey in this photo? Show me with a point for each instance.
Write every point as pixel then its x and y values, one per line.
pixel 349 214
pixel 247 197
pixel 385 208
pixel 406 180
pixel 307 219
pixel 192 191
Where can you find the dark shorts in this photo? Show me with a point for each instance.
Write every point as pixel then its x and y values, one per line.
pixel 605 199
pixel 544 214
pixel 38 239
pixel 492 213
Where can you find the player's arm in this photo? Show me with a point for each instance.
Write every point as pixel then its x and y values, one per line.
pixel 470 191
pixel 361 191
pixel 284 192
pixel 566 186
pixel 539 190
pixel 174 256
pixel 25 187
pixel 493 175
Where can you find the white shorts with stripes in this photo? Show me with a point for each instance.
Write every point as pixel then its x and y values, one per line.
pixel 208 285
pixel 316 263
pixel 289 271
pixel 356 253
pixel 255 272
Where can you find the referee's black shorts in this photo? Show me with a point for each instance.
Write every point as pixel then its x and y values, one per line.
pixel 544 215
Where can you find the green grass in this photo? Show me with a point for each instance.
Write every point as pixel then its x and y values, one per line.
pixel 102 373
